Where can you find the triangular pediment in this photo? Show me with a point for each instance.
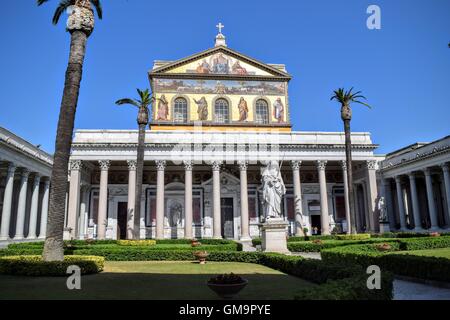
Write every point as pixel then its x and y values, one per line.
pixel 220 61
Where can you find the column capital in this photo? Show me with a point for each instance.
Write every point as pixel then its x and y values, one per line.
pixel 37 178
pixel 398 179
pixel 295 164
pixel 243 165
pixel 160 165
pixel 216 165
pixel 75 164
pixel 427 171
pixel 131 165
pixel 371 164
pixel 321 164
pixel 25 173
pixel 11 168
pixel 344 165
pixel 445 166
pixel 104 165
pixel 46 181
pixel 188 165
pixel 411 175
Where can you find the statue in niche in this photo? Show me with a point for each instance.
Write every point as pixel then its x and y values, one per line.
pixel 163 108
pixel 175 214
pixel 278 110
pixel 273 190
pixel 202 109
pixel 243 109
pixel 382 210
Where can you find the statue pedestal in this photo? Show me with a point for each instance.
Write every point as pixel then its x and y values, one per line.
pixel 274 236
pixel 384 227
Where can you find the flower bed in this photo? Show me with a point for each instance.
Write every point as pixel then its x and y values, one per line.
pixel 35 266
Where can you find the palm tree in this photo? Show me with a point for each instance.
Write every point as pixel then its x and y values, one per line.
pixel 80 24
pixel 145 99
pixel 345 98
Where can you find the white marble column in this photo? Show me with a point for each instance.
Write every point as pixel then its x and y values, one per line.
pixel 20 224
pixel 295 165
pixel 372 194
pixel 415 202
pixel 34 207
pixel 103 200
pixel 160 166
pixel 7 203
pixel 188 199
pixel 44 209
pixel 217 224
pixel 446 172
pixel 245 224
pixel 346 197
pixel 131 197
pixel 74 197
pixel 325 220
pixel 401 205
pixel 430 199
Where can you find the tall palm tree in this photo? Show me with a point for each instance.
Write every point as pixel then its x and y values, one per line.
pixel 80 25
pixel 345 98
pixel 145 99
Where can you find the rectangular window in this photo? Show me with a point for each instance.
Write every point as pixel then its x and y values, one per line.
pixel 290 208
pixel 197 213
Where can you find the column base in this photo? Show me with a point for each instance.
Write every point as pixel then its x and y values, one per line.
pixel 418 230
pixel 18 238
pixel 5 238
pixel 245 238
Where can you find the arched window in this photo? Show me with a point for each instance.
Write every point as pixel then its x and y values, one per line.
pixel 261 112
pixel 180 110
pixel 221 111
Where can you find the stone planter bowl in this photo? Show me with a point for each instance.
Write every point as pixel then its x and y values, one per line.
pixel 227 291
pixel 201 256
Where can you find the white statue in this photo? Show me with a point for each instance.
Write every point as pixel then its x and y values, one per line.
pixel 273 190
pixel 382 210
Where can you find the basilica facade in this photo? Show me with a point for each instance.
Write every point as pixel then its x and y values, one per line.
pixel 217 118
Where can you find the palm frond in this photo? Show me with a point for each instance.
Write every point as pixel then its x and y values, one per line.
pixel 128 101
pixel 98 7
pixel 39 2
pixel 363 103
pixel 63 5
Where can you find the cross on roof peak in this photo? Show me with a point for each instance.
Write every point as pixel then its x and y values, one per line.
pixel 220 26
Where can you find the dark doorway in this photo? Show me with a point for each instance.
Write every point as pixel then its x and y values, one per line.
pixel 315 224
pixel 122 209
pixel 227 217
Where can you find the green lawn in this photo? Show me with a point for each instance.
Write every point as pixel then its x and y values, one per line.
pixel 442 252
pixel 155 280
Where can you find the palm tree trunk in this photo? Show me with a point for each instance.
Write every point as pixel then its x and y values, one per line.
pixel 53 248
pixel 139 174
pixel 348 158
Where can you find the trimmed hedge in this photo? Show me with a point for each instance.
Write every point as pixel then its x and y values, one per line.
pixel 136 242
pixel 349 289
pixel 35 266
pixel 423 267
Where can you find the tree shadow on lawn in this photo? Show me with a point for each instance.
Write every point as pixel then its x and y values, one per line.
pixel 147 286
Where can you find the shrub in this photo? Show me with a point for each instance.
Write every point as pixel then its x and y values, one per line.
pixel 136 242
pixel 359 236
pixel 354 288
pixel 35 266
pixel 431 268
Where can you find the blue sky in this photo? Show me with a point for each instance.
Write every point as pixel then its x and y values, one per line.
pixel 403 69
